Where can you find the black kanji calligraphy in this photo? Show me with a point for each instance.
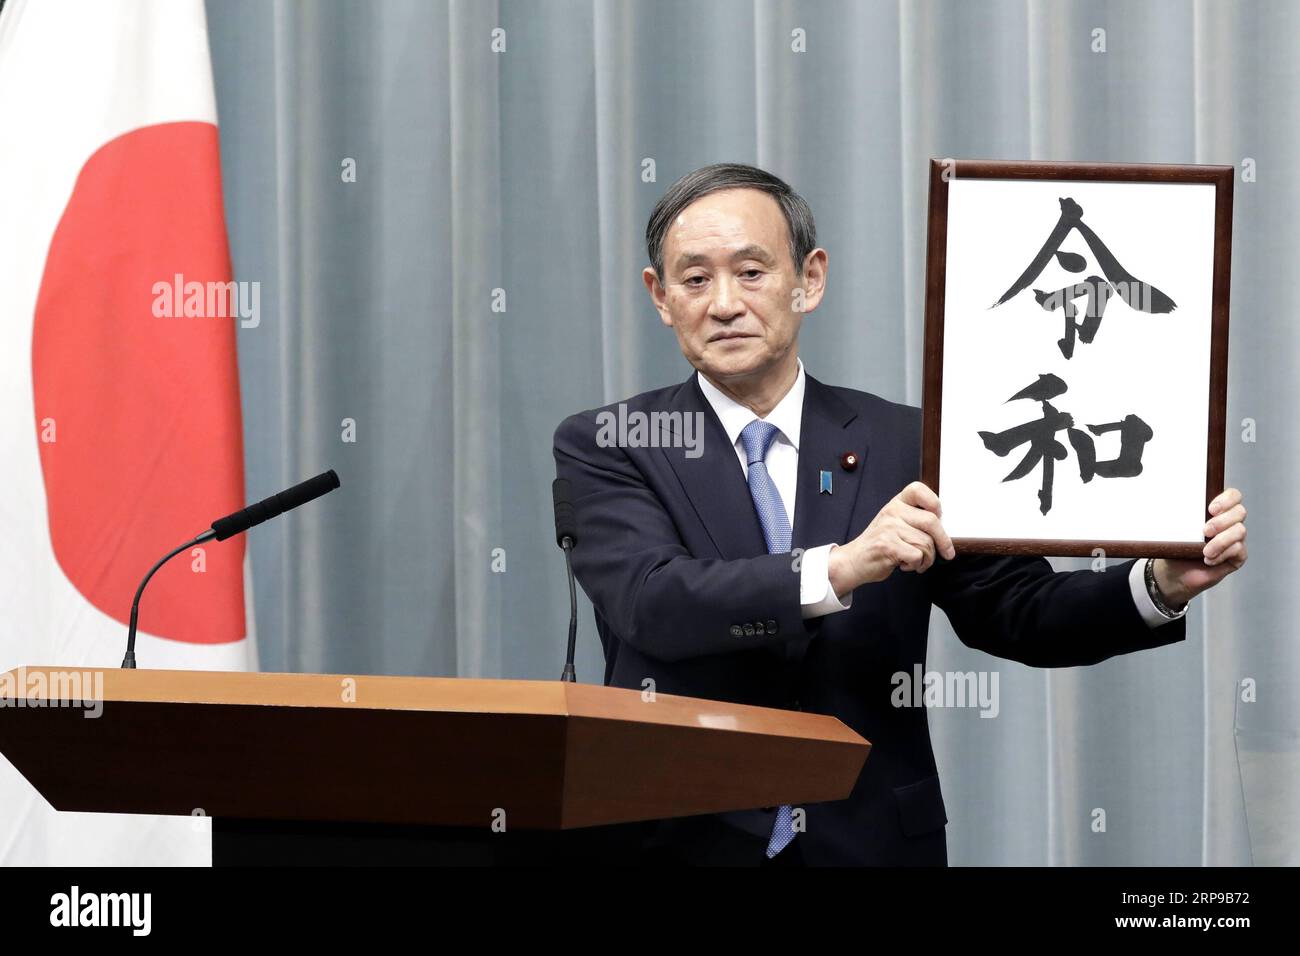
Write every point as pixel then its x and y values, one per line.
pixel 1095 289
pixel 1044 448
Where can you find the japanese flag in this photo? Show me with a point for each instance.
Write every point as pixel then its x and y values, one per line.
pixel 120 431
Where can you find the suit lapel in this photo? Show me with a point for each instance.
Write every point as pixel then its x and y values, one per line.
pixel 829 429
pixel 715 482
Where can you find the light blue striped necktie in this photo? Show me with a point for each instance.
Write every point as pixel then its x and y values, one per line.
pixel 757 438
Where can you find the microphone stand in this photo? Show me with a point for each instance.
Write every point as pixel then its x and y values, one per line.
pixel 570 674
pixel 128 662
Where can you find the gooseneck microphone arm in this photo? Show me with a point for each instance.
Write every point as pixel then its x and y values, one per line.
pixel 569 673
pixel 566 536
pixel 128 662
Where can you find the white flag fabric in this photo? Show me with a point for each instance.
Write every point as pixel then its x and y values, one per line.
pixel 120 429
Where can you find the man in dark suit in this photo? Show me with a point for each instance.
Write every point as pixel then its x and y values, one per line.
pixel 717 568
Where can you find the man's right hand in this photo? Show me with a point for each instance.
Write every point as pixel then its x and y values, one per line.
pixel 905 534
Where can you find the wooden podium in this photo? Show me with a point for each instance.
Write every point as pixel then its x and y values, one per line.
pixel 319 768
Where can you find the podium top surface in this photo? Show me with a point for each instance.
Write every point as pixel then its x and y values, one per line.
pixel 443 695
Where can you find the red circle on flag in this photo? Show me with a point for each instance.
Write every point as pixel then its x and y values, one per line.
pixel 137 414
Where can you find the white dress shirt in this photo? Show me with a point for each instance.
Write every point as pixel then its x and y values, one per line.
pixel 816 596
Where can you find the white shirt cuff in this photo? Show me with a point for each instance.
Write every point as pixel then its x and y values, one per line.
pixel 816 596
pixel 1146 607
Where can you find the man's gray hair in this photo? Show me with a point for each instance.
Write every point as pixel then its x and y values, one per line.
pixel 720 176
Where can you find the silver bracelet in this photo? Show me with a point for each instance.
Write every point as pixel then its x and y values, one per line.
pixel 1158 599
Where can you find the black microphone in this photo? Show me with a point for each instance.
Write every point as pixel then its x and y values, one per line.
pixel 566 522
pixel 268 508
pixel 566 536
pixel 230 526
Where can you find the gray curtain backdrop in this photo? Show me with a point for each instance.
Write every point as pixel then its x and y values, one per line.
pixel 526 171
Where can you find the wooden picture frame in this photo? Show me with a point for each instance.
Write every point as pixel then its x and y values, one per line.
pixel 1144 367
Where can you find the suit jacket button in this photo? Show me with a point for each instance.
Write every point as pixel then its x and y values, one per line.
pixel 772 627
pixel 737 630
pixel 749 630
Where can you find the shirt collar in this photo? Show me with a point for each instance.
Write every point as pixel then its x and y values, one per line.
pixel 787 416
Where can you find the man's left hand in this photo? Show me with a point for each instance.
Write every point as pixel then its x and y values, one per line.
pixel 1181 580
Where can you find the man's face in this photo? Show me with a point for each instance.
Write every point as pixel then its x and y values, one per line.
pixel 729 285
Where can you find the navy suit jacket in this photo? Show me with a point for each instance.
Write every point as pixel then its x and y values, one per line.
pixel 672 556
